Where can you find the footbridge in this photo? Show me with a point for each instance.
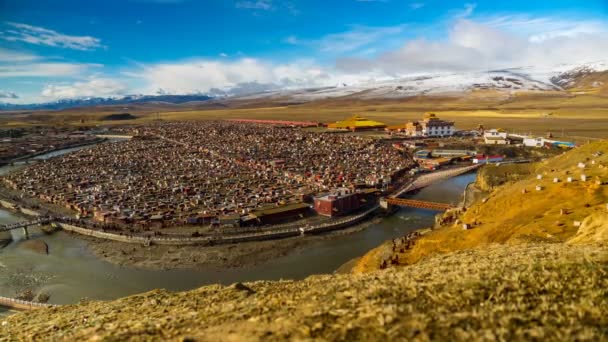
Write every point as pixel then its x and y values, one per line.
pixel 403 202
pixel 25 224
pixel 422 182
pixel 434 177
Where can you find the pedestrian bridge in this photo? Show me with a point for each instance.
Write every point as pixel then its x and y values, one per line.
pixel 434 177
pixel 422 182
pixel 25 224
pixel 403 202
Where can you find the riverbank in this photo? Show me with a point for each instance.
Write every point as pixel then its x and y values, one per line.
pixel 73 271
pixel 192 253
pixel 244 254
pixel 499 292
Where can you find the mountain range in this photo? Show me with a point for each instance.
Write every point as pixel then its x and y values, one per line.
pixel 585 78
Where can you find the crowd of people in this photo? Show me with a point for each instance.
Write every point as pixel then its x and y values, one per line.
pixel 180 172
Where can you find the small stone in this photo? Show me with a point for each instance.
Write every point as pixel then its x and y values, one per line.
pixel 37 246
pixel 242 287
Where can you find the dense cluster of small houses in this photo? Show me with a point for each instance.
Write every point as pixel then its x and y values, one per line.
pixel 17 143
pixel 200 172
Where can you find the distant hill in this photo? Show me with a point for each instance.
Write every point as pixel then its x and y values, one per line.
pixel 101 101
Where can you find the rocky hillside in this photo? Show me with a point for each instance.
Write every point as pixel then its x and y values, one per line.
pixel 545 292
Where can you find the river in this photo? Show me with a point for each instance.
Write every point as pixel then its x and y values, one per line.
pixel 71 272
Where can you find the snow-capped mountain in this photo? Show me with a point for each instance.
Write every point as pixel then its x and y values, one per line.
pixel 506 81
pixel 107 101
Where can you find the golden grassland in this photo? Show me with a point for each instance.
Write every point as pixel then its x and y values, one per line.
pixel 538 292
pixel 516 212
pixel 537 113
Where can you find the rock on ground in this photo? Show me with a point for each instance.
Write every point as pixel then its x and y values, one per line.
pixel 37 246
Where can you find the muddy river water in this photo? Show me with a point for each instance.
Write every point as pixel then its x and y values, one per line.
pixel 71 272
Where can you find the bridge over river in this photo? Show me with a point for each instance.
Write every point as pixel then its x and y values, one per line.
pixel 25 224
pixel 422 182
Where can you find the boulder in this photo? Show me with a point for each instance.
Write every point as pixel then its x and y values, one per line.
pixel 5 239
pixel 37 246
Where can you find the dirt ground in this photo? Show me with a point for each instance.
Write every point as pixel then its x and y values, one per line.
pixel 192 257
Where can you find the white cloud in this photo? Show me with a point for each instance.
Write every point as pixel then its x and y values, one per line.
pixel 469 8
pixel 43 36
pixel 417 5
pixel 258 6
pixel 265 5
pixel 94 87
pixel 359 38
pixel 481 46
pixel 8 95
pixel 202 76
pixel 45 69
pixel 293 40
pixel 15 56
pixel 542 28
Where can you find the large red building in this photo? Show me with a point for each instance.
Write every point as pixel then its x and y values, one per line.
pixel 338 204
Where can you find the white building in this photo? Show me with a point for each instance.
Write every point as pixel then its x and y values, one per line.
pixel 495 137
pixel 432 126
pixel 534 142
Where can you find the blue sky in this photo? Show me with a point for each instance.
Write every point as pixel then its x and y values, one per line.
pixel 67 48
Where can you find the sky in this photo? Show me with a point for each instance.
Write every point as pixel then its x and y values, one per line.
pixel 58 49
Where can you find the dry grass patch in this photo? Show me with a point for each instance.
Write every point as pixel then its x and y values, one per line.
pixel 544 292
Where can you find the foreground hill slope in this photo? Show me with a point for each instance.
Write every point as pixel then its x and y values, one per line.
pixel 532 291
pixel 522 208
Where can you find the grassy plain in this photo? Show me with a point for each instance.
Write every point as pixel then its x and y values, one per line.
pixel 582 116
